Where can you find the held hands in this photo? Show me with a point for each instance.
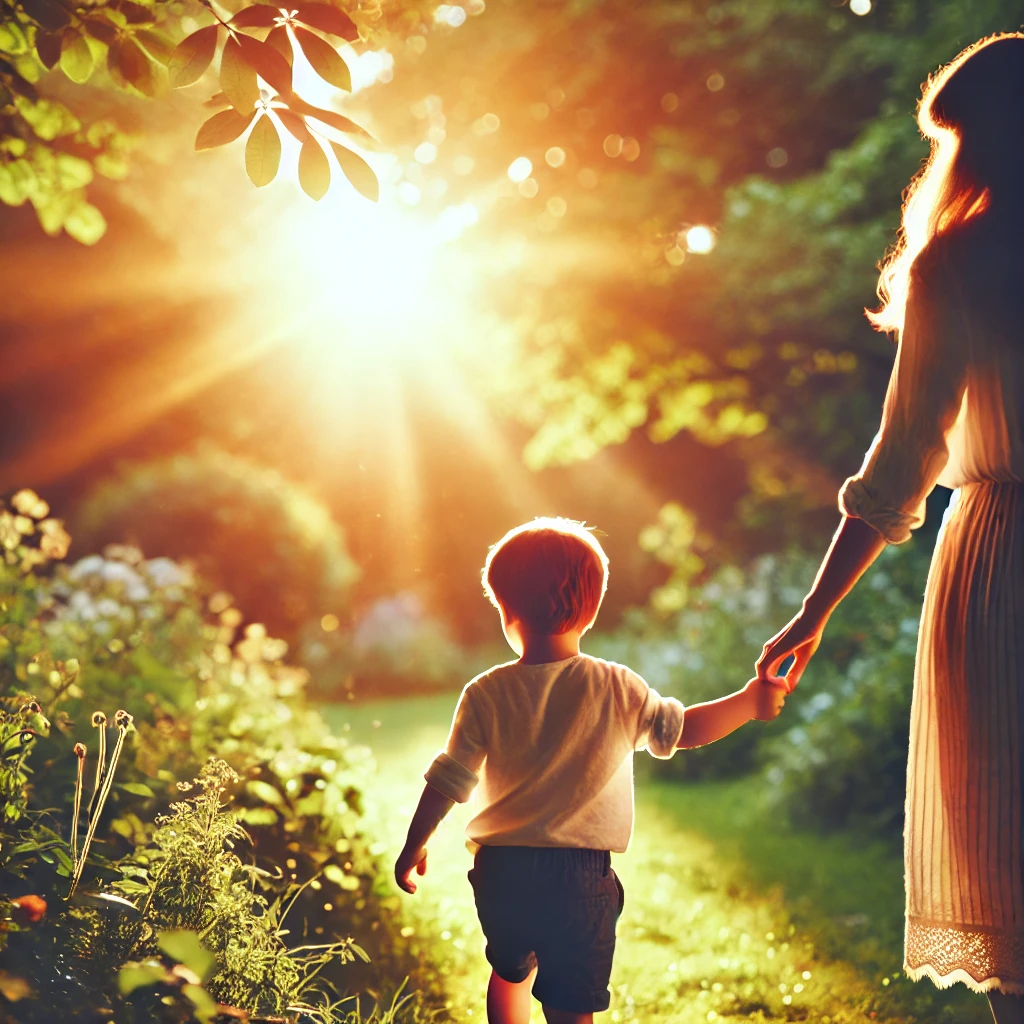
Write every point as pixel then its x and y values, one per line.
pixel 800 637
pixel 767 698
pixel 409 860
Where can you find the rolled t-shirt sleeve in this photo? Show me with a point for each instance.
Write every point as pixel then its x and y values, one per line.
pixel 454 771
pixel 925 394
pixel 659 722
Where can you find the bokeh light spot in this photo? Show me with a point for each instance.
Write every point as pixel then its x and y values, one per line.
pixel 612 145
pixel 630 149
pixel 426 153
pixel 463 165
pixel 670 102
pixel 450 14
pixel 777 157
pixel 700 239
pixel 520 168
pixel 587 177
pixel 329 623
pixel 860 7
pixel 555 156
pixel 529 188
pixel 715 82
pixel 557 206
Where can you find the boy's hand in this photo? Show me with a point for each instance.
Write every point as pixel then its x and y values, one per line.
pixel 768 698
pixel 408 860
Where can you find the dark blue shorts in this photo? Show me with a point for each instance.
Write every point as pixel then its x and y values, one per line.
pixel 553 908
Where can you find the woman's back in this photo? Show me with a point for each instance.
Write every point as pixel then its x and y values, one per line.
pixel 974 280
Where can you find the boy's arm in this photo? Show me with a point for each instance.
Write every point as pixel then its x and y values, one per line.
pixel 705 723
pixel 430 811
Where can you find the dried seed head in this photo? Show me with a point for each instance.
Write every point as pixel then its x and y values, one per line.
pixel 123 720
pixel 80 751
pixel 98 718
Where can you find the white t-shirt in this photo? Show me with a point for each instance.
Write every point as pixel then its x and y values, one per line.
pixel 546 752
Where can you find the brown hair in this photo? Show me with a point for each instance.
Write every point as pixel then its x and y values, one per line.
pixel 972 113
pixel 551 574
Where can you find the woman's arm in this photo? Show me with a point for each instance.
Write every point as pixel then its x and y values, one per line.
pixel 854 547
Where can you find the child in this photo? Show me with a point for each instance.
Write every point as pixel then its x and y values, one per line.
pixel 549 739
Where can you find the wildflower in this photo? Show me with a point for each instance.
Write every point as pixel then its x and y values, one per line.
pixel 29 909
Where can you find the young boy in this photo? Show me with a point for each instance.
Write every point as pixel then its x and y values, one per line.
pixel 549 739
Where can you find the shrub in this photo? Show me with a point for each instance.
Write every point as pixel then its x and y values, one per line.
pixel 249 531
pixel 120 631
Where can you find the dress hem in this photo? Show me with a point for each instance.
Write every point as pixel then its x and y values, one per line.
pixel 983 987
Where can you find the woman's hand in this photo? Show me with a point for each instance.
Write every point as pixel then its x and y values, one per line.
pixel 767 698
pixel 408 861
pixel 799 638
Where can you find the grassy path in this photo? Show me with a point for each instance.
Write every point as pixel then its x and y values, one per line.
pixel 727 918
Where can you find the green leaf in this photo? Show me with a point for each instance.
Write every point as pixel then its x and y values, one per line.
pixel 135 66
pixel 257 16
pixel 76 60
pixel 259 816
pixel 136 788
pixel 185 948
pixel 314 170
pixel 138 976
pixel 86 224
pixel 265 791
pixel 329 117
pixel 192 56
pixel 279 39
pixel 359 952
pixel 131 887
pixel 327 19
pixel 324 59
pixel 47 13
pixel 238 79
pixel 206 1007
pixel 101 30
pixel 358 171
pixel 63 859
pixel 134 14
pixel 48 48
pixel 263 152
pixel 159 47
pixel 222 128
pixel 269 64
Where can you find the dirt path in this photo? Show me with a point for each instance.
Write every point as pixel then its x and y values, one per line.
pixel 696 942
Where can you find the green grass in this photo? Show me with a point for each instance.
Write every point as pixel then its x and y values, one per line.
pixel 730 915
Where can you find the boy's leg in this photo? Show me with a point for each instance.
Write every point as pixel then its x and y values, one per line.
pixel 553 1016
pixel 509 1002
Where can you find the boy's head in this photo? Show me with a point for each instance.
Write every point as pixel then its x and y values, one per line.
pixel 550 575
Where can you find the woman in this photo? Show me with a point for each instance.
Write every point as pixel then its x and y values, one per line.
pixel 953 290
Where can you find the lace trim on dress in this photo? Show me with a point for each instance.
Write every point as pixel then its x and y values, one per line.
pixel 984 959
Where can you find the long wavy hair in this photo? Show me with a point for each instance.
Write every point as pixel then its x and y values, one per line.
pixel 972 113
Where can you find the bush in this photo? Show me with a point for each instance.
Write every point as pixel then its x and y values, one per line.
pixel 393 648
pixel 837 755
pixel 120 631
pixel 247 529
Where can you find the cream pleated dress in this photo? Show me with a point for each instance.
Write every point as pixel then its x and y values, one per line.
pixel 953 416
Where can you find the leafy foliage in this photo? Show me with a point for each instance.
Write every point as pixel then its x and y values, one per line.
pixel 218 510
pixel 783 132
pixel 50 150
pixel 122 630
